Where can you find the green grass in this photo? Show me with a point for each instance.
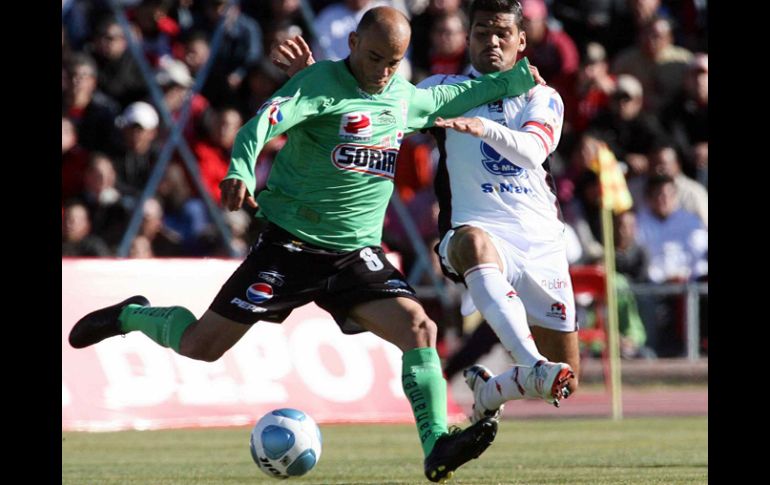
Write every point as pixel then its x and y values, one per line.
pixel 586 451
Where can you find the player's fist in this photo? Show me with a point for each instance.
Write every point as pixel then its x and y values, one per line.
pixel 234 194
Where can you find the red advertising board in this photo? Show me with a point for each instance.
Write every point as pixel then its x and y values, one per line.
pixel 132 383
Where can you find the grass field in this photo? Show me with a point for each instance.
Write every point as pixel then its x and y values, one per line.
pixel 569 451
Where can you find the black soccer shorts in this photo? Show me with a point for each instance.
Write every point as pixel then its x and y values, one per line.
pixel 282 272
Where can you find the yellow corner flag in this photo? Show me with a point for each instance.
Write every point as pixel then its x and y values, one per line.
pixel 615 194
pixel 615 198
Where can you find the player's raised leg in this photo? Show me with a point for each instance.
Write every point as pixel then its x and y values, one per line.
pixel 403 322
pixel 175 327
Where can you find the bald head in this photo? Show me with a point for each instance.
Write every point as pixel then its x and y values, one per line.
pixel 377 47
pixel 387 21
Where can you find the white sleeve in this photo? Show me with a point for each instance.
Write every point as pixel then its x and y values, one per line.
pixel 522 148
pixel 539 134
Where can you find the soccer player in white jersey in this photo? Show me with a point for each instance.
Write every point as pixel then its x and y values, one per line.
pixel 501 228
pixel 502 233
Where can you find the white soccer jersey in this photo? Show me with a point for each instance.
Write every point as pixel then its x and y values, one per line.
pixel 498 182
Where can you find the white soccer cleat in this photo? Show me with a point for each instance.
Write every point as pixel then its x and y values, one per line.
pixel 547 380
pixel 476 376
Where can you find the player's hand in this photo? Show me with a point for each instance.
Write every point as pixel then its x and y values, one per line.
pixel 536 74
pixel 292 55
pixel 472 126
pixel 234 194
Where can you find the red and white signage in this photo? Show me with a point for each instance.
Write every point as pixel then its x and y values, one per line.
pixel 132 383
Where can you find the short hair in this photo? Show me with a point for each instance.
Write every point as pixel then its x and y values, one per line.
pixel 654 182
pixel 195 36
pixel 81 59
pixel 497 6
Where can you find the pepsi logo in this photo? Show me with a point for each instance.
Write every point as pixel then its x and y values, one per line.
pixel 259 292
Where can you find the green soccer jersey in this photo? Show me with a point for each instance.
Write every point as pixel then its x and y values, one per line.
pixel 331 182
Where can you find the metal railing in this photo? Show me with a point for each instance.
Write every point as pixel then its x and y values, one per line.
pixel 692 292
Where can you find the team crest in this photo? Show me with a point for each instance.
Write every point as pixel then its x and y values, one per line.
pixel 273 106
pixel 499 165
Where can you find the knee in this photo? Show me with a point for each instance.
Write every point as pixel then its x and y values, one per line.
pixel 468 247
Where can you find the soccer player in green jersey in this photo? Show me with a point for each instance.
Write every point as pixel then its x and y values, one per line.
pixel 324 205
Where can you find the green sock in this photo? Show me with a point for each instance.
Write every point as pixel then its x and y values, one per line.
pixel 164 325
pixel 425 387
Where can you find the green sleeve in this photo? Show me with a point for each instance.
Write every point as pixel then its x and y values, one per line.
pixel 450 100
pixel 292 104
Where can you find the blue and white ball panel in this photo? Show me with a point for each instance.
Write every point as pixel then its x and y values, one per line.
pixel 290 413
pixel 276 441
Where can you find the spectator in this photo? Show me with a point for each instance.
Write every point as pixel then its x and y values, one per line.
pixel 119 74
pixel 686 119
pixel 629 132
pixel 448 44
pixel 552 51
pixel 77 239
pixel 692 196
pixel 175 81
pixel 676 239
pixel 163 242
pixel 422 26
pixel 656 62
pixel 241 46
pixel 677 243
pixel 74 159
pixel 213 151
pixel 107 208
pixel 335 22
pixel 133 162
pixel 275 15
pixel 594 88
pixel 197 51
pixel 583 213
pixel 156 29
pixel 184 214
pixel 92 111
pixel 631 259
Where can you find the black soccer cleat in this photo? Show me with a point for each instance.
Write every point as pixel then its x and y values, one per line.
pixel 101 324
pixel 458 447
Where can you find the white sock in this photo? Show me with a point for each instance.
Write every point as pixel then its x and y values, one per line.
pixel 500 305
pixel 507 386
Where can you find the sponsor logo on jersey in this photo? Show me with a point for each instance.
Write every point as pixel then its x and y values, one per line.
pixel 386 117
pixel 272 277
pixel 554 284
pixel 397 283
pixel 356 126
pixel 497 164
pixel 374 160
pixel 244 305
pixel 259 292
pixel 558 310
pixel 496 106
pixel 511 294
pixel 503 187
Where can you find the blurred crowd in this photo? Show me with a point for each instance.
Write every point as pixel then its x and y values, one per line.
pixel 633 75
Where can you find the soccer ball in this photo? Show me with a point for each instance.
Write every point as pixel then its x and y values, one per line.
pixel 286 443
